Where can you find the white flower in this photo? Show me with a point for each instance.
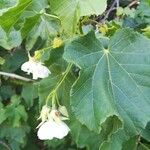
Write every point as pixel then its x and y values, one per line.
pixel 44 114
pixel 36 68
pixel 51 129
pixel 54 127
pixel 28 67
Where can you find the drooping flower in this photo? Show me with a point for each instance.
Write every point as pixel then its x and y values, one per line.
pixel 37 69
pixel 53 127
pixel 44 114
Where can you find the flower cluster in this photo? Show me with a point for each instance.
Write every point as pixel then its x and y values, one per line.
pixel 52 125
pixel 37 69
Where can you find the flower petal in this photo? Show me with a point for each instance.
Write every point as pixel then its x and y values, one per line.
pixel 62 130
pixel 27 67
pixel 51 129
pixel 42 71
pixel 36 68
pixel 46 131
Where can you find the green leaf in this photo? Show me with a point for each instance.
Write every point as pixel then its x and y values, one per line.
pixel 3 39
pixel 29 93
pixel 2 61
pixel 45 27
pixel 144 8
pixel 15 60
pixel 10 40
pixel 113 81
pixel 115 141
pixel 16 137
pixel 38 5
pixel 45 87
pixel 120 141
pixel 14 39
pixel 70 11
pixel 131 144
pixel 3 115
pixel 6 92
pixel 146 132
pixel 9 18
pixel 5 5
pixel 86 138
pixel 83 137
pixel 16 112
pixel 57 67
pixel 30 22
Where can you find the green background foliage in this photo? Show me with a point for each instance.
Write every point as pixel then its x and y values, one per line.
pixel 107 88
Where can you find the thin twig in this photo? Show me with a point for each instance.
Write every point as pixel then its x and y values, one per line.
pixel 116 2
pixel 144 146
pixel 12 75
pixel 5 145
pixel 135 2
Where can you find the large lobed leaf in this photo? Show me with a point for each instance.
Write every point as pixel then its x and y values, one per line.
pixel 112 82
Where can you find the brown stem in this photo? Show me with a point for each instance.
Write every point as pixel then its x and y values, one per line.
pixel 116 2
pixel 135 2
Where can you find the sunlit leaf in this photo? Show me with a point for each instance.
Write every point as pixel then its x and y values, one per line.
pixel 10 17
pixel 5 5
pixel 70 11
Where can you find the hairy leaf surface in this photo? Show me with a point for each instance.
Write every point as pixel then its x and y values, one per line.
pixel 113 81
